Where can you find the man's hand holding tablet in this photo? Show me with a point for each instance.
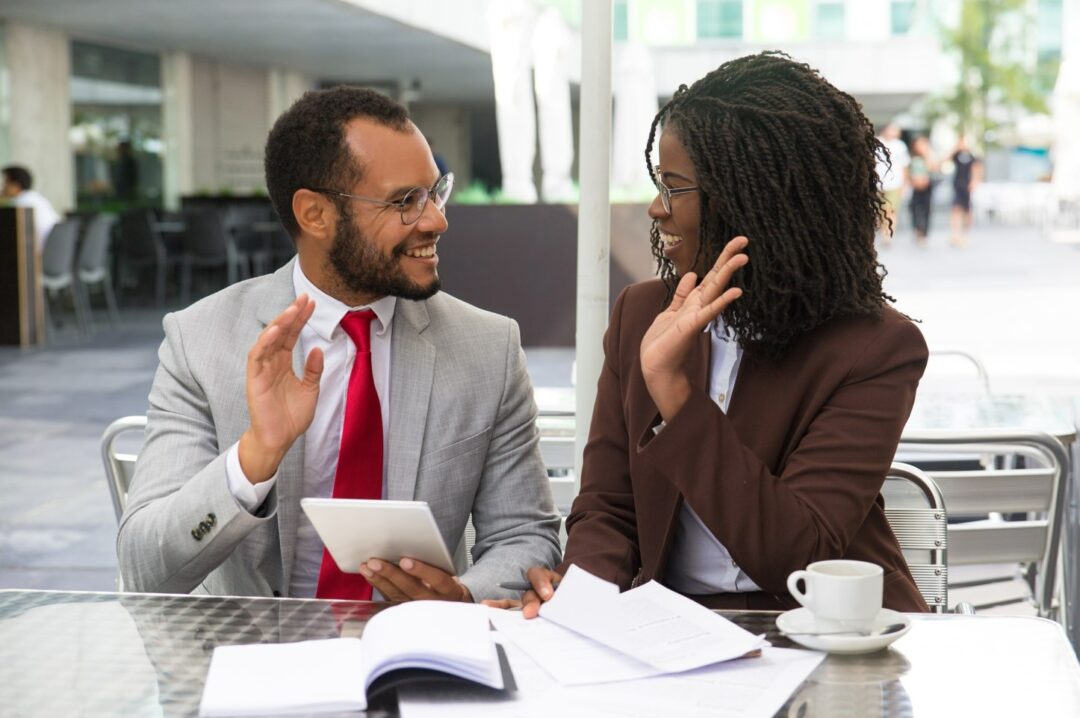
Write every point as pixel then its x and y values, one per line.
pixel 394 544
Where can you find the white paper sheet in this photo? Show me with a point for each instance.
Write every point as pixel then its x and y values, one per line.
pixel 747 688
pixel 650 623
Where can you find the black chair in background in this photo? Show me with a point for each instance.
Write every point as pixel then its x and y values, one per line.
pixel 140 247
pixel 206 246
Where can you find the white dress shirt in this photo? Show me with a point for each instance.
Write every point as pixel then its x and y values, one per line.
pixel 699 563
pixel 323 437
pixel 45 217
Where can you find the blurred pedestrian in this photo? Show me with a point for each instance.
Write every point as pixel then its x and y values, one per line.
pixel 967 175
pixel 18 187
pixel 892 170
pixel 125 172
pixel 921 171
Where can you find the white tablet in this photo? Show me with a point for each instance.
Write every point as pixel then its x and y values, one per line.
pixel 355 530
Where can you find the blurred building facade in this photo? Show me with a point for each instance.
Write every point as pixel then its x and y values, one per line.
pixel 193 85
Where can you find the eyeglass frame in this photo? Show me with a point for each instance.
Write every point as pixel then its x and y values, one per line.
pixel 666 193
pixel 402 203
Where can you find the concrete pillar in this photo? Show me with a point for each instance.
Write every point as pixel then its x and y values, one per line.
pixel 284 87
pixel 35 109
pixel 177 127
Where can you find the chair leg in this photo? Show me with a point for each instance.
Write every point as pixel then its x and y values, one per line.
pixel 110 300
pixel 83 293
pixel 80 308
pixel 185 283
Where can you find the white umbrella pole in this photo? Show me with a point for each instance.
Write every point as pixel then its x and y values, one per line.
pixel 594 213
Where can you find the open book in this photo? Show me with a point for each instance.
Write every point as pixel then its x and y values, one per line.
pixel 417 640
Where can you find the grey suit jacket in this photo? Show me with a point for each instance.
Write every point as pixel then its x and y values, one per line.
pixel 462 437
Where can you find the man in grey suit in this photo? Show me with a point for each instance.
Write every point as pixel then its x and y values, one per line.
pixel 234 442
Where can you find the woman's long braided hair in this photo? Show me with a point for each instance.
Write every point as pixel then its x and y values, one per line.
pixel 786 159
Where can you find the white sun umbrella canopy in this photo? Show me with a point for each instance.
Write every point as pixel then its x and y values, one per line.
pixel 510 24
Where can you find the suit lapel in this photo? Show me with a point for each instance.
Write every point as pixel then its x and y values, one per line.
pixel 278 293
pixel 412 369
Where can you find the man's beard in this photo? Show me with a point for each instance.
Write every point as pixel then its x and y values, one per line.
pixel 364 270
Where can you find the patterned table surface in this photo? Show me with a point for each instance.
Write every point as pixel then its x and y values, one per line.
pixel 135 654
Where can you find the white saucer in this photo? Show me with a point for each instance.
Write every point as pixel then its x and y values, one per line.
pixel 800 619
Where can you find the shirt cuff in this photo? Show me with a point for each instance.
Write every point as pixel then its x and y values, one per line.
pixel 247 494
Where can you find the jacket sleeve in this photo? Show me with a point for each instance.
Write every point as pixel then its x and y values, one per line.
pixel 181 521
pixel 513 513
pixel 602 527
pixel 773 524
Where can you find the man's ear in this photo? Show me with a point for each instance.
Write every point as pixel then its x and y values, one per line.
pixel 316 215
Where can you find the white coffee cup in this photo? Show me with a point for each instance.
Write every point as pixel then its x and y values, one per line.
pixel 843 595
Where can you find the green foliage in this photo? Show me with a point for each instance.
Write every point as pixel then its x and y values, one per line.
pixel 988 44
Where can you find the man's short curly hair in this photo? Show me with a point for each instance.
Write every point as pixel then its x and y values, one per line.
pixel 306 146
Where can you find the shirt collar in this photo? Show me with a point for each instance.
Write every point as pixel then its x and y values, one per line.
pixel 329 311
pixel 717 329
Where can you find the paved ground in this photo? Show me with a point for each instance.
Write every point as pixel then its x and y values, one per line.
pixel 1011 298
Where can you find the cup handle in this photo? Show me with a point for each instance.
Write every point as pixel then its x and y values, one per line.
pixel 793 589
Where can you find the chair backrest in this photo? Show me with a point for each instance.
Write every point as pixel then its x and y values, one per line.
pixel 138 239
pixel 557 449
pixel 204 235
pixel 1033 485
pixel 941 357
pixel 58 257
pixel 94 252
pixel 916 512
pixel 119 466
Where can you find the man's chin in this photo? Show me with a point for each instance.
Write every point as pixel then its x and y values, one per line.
pixel 420 292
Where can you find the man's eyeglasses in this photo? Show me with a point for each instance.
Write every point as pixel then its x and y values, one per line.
pixel 412 205
pixel 666 193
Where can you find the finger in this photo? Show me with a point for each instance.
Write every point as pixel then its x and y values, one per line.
pixel 543 581
pixel 262 350
pixel 313 368
pixel 530 604
pixel 508 604
pixel 682 291
pixel 392 582
pixel 719 277
pixel 438 580
pixel 305 308
pixel 714 308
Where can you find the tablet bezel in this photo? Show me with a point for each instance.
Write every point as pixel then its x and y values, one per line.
pixel 356 530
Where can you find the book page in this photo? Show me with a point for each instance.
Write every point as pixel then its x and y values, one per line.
pixel 284 678
pixel 451 637
pixel 651 624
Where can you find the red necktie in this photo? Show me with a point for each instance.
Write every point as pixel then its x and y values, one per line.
pixel 360 458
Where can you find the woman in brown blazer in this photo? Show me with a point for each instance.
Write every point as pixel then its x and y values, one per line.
pixel 744 424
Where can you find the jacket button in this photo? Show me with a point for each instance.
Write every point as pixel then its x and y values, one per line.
pixel 204 527
pixel 211 519
pixel 196 534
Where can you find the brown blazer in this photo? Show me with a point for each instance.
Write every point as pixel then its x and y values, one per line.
pixel 792 473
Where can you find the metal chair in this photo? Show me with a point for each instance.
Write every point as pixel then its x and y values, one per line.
pixel 140 245
pixel 915 510
pixel 206 245
pixel 58 268
pixel 1033 487
pixel 94 265
pixel 119 466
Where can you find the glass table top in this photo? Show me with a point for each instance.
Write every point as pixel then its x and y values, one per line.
pixel 137 654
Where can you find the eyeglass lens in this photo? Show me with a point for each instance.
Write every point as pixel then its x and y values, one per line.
pixel 413 203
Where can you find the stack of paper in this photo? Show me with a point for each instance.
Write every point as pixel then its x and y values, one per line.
pixel 591 633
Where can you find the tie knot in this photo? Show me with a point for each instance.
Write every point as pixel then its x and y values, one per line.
pixel 358 326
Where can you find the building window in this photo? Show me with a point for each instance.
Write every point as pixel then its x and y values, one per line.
pixel 719 19
pixel 829 20
pixel 621 21
pixel 902 16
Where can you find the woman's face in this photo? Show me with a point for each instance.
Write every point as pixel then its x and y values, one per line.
pixel 679 229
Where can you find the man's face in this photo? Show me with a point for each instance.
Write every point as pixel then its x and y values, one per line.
pixel 373 251
pixel 10 189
